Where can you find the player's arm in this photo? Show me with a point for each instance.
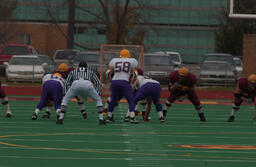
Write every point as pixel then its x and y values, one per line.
pixel 134 75
pixel 110 73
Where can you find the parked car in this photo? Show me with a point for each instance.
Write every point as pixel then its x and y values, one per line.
pixel 238 64
pixel 65 56
pixel 8 50
pixel 157 66
pixel 25 68
pixel 92 59
pixel 216 73
pixel 175 57
pixel 220 57
pixel 50 64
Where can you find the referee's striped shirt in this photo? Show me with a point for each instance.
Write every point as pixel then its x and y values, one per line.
pixel 84 73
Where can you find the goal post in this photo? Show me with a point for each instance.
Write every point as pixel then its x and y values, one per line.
pixel 238 15
pixel 109 51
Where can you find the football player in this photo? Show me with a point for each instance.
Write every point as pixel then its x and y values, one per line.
pixel 182 85
pixel 122 68
pixel 245 91
pixel 53 85
pixel 5 102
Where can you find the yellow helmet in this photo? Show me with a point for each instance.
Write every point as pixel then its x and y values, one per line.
pixel 58 74
pixel 125 53
pixel 252 78
pixel 183 71
pixel 63 67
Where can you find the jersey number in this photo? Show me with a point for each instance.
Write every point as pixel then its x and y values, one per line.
pixel 122 67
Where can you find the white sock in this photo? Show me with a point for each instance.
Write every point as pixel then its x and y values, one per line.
pixel 101 116
pixel 160 114
pixel 234 111
pixel 37 111
pixel 110 114
pixel 132 114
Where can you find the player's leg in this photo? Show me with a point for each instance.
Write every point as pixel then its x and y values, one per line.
pixel 5 103
pixel 156 93
pixel 115 91
pixel 57 95
pixel 96 98
pixel 196 102
pixel 168 103
pixel 235 107
pixel 48 108
pixel 128 94
pixel 71 93
pixel 80 102
pixel 43 100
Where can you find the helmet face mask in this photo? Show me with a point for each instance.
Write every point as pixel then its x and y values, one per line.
pixel 125 53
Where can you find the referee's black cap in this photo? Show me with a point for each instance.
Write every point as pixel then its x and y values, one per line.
pixel 82 64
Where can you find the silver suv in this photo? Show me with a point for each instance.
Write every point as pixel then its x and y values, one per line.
pixel 157 66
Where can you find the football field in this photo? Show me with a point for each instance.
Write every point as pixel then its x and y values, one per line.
pixel 181 141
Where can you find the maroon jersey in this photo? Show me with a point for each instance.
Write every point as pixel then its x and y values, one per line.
pixel 243 85
pixel 189 81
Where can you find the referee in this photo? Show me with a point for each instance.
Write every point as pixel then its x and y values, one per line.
pixel 81 82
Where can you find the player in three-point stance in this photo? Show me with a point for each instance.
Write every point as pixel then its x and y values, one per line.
pixel 150 90
pixel 80 83
pixel 122 68
pixel 53 85
pixel 182 85
pixel 245 91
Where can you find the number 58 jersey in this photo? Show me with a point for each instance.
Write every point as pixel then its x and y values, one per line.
pixel 122 67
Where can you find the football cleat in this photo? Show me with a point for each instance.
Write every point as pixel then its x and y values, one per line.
pixel 102 122
pixel 201 116
pixel 126 119
pixel 47 115
pixel 134 121
pixel 110 119
pixel 59 121
pixel 84 114
pixel 231 118
pixel 8 115
pixel 34 117
pixel 161 119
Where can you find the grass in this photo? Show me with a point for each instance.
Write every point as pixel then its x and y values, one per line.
pixel 80 142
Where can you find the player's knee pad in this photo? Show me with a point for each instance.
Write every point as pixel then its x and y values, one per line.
pixel 168 104
pixel 198 107
pixel 5 101
pixel 235 107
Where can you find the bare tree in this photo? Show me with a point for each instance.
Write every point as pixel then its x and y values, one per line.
pixel 119 21
pixel 8 31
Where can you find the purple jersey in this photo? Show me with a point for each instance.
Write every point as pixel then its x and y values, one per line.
pixel 243 85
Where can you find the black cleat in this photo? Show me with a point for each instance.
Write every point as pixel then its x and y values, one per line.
pixel 126 119
pixel 164 113
pixel 59 121
pixel 201 116
pixel 134 121
pixel 102 122
pixel 34 117
pixel 231 118
pixel 8 115
pixel 47 115
pixel 110 119
pixel 161 119
pixel 84 114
